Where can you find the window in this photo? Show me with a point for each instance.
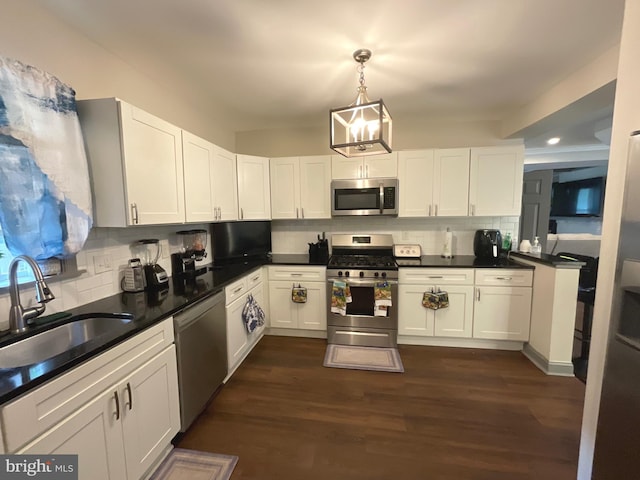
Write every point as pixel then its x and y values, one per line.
pixel 52 266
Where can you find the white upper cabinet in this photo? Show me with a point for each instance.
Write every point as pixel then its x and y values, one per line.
pixel 198 178
pixel 285 187
pixel 451 182
pixel 495 186
pixel 225 185
pixel 135 162
pixel 210 185
pixel 254 197
pixel 301 187
pixel 415 183
pixel 434 182
pixel 375 166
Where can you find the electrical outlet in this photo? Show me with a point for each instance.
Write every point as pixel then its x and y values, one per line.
pixel 164 245
pixel 102 263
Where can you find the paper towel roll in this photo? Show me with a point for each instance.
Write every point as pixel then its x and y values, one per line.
pixel 448 244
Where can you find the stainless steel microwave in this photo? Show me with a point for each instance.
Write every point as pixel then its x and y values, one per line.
pixel 368 196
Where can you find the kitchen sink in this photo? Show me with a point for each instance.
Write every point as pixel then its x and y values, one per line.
pixel 49 343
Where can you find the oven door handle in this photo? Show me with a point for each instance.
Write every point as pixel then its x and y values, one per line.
pixel 365 283
pixel 381 198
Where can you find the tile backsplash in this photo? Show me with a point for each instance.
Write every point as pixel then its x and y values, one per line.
pixel 103 259
pixel 294 236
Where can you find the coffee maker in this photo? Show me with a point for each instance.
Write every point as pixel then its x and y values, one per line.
pixel 183 263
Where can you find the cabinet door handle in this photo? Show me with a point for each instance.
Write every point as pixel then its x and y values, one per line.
pixel 256 278
pixel 238 289
pixel 360 171
pixel 429 209
pixel 130 395
pixel 302 211
pixel 218 213
pixel 134 213
pixel 477 294
pixel 115 394
pixel 473 209
pixel 296 274
pixel 436 210
pixel 241 213
pixel 436 276
pixel 297 216
pixel 504 278
pixel 367 171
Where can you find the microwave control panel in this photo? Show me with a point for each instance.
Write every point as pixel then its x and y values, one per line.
pixel 389 197
pixel 407 251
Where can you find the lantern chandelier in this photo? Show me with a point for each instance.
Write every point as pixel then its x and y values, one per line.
pixel 364 127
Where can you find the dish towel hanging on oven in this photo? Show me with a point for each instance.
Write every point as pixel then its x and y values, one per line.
pixel 252 314
pixel 382 298
pixel 340 296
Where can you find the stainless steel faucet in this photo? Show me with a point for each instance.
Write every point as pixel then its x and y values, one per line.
pixel 18 315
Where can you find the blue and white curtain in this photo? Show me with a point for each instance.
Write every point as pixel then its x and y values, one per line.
pixel 45 195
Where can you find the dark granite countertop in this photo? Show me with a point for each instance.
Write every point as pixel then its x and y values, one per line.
pixel 548 260
pixel 296 259
pixel 147 309
pixel 459 261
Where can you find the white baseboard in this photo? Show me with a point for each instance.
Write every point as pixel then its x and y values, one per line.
pixel 560 369
pixel 461 342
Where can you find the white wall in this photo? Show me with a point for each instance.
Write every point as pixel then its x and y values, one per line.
pixel 626 118
pixel 293 236
pixel 409 133
pixel 33 36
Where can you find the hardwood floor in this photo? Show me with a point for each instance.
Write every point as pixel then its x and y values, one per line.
pixel 454 414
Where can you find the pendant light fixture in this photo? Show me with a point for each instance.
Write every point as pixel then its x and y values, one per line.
pixel 364 127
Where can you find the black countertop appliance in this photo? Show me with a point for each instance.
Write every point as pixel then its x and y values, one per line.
pixel 487 244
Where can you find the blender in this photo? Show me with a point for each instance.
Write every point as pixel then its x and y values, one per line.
pixel 155 275
pixel 194 243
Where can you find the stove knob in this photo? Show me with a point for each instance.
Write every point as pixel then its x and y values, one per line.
pixel 340 273
pixel 346 274
pixel 361 274
pixel 384 274
pixel 376 274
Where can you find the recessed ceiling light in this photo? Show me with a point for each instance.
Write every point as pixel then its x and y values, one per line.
pixel 553 141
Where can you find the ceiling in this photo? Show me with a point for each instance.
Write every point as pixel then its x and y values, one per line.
pixel 284 63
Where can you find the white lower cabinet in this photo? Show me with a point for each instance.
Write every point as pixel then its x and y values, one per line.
pixel 502 313
pixel 502 309
pixel 119 411
pixel 456 320
pixel 239 340
pixel 285 313
pixel 123 431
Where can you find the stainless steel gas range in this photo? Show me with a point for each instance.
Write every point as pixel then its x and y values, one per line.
pixel 362 265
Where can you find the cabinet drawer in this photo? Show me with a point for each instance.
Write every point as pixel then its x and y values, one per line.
pixel 38 410
pixel 295 274
pixel 254 278
pixel 436 276
pixel 235 290
pixel 504 277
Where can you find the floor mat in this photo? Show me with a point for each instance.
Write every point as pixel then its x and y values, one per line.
pixel 182 464
pixel 363 358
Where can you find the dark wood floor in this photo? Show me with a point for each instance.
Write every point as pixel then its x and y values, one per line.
pixel 454 414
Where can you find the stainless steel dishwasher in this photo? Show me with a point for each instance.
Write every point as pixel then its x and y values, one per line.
pixel 201 344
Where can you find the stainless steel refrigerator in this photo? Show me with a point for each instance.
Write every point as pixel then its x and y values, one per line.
pixel 618 434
